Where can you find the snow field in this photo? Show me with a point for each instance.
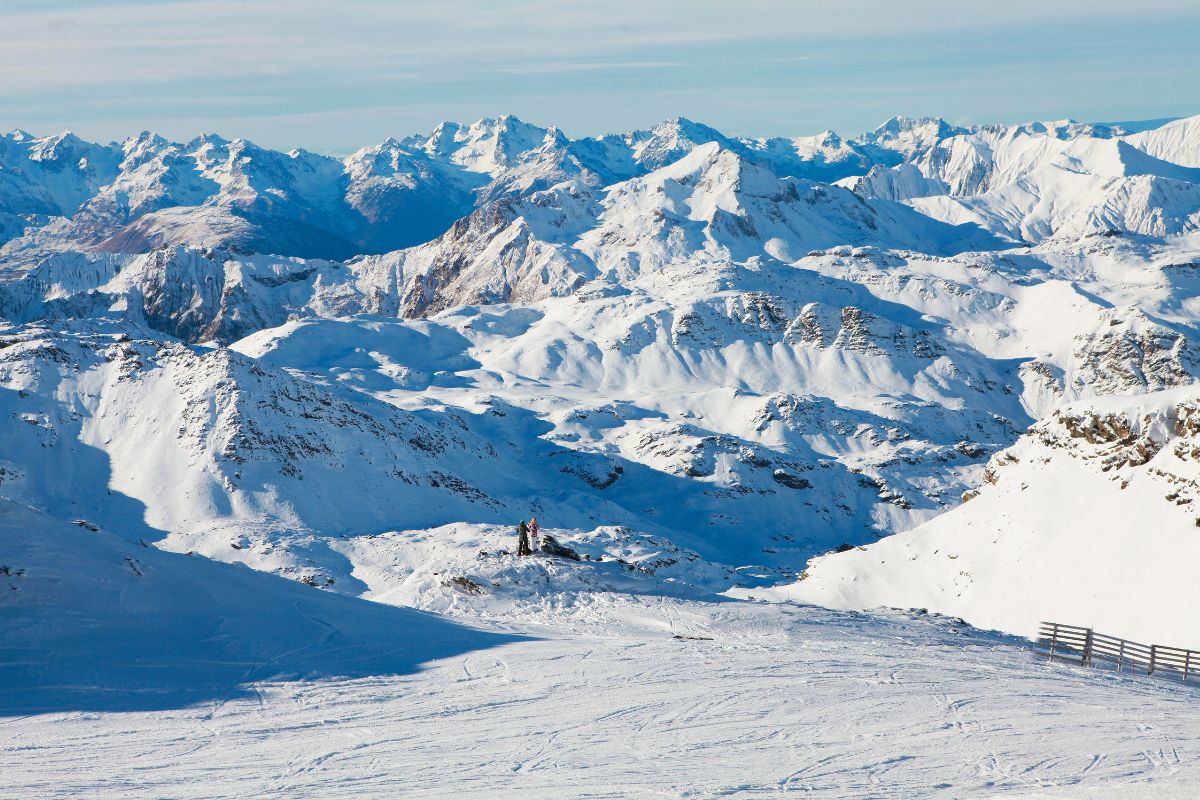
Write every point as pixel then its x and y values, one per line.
pixel 779 702
pixel 141 673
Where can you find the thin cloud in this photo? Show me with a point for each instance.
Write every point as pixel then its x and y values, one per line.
pixel 763 65
pixel 552 67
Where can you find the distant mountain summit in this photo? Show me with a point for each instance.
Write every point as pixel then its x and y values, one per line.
pixel 755 350
pixel 62 193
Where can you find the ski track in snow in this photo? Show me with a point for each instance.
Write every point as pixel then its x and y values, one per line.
pixel 783 700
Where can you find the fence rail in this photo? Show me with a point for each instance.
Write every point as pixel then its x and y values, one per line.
pixel 1085 646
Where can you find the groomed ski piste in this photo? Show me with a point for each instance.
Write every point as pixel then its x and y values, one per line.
pixel 467 672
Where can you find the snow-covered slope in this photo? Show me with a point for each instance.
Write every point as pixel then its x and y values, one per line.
pixel 704 362
pixel 1177 142
pixel 207 446
pixel 130 671
pixel 230 455
pixel 212 192
pixel 1090 519
pixel 107 624
pixel 851 394
pixel 52 175
pixel 59 192
pixel 1029 186
pixel 691 335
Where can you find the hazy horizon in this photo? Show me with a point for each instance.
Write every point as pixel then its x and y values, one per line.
pixel 304 74
pixel 1136 125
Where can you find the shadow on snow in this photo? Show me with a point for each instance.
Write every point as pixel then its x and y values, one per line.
pixel 92 622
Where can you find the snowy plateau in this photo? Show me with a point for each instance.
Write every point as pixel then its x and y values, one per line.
pixel 822 427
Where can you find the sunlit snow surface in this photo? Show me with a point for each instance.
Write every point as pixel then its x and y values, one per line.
pixel 270 555
pixel 780 702
pixel 140 673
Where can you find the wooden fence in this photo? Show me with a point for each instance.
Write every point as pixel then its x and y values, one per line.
pixel 1085 646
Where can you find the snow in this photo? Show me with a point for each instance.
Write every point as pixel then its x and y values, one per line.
pixel 1074 524
pixel 587 693
pixel 272 416
pixel 1022 182
pixel 1177 141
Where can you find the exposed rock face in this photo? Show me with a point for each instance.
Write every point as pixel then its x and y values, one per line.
pixel 859 331
pixel 550 546
pixel 1120 442
pixel 197 296
pixel 1133 354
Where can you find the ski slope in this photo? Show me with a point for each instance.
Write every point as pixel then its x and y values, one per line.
pixel 780 702
pixel 569 682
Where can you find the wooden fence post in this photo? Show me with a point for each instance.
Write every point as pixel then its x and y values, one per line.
pixel 1116 650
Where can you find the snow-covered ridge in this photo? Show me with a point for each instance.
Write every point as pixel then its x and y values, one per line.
pixel 756 350
pixel 59 192
pixel 1091 517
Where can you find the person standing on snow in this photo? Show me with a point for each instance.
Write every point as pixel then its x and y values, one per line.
pixel 523 540
pixel 533 534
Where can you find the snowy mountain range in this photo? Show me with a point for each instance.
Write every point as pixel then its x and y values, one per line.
pixel 753 350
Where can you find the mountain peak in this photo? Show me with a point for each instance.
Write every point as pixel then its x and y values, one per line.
pixel 901 123
pixel 696 131
pixel 910 135
pixel 671 140
pixel 145 143
pixel 712 164
pixel 441 139
pixel 51 147
pixel 208 139
pixel 899 126
pixel 504 122
pixel 145 136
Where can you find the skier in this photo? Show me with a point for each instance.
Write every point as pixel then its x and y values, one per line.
pixel 523 540
pixel 533 534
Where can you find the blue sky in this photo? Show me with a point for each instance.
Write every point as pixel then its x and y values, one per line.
pixel 333 76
